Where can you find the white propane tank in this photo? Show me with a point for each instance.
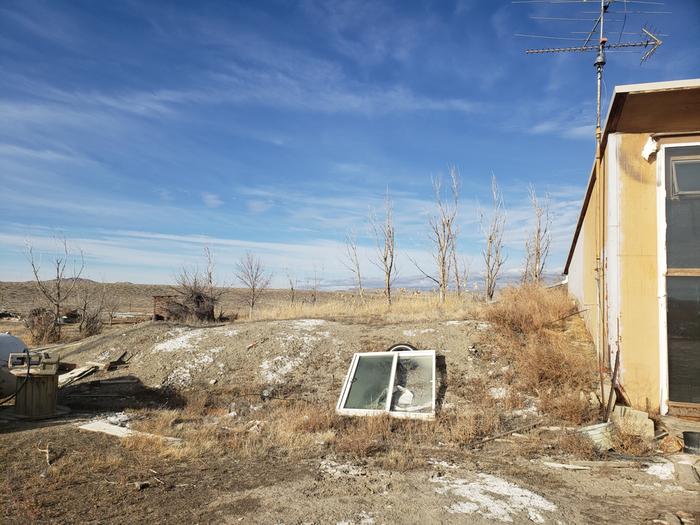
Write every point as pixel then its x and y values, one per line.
pixel 8 344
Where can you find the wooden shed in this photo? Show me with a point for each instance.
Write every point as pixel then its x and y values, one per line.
pixel 163 306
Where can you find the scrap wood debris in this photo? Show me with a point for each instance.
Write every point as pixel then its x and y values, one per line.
pixel 104 426
pixel 77 373
pixel 256 343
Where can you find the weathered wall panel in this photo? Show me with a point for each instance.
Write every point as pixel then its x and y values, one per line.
pixel 639 306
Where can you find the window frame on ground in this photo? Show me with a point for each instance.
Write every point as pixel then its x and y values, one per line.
pixel 391 385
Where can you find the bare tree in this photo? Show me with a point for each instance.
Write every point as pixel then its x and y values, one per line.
pixel 538 242
pixel 293 284
pixel 353 262
pixel 61 288
pixel 443 234
pixel 461 273
pixel 384 235
pixel 492 229
pixel 314 284
pixel 251 273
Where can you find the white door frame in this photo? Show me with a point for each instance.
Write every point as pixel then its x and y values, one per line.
pixel 662 264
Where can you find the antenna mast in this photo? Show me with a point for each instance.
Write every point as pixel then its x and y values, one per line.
pixel 650 41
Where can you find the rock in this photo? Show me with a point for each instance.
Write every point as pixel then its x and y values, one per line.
pixel 212 381
pixel 686 518
pixel 599 434
pixel 687 476
pixel 667 519
pixel 140 485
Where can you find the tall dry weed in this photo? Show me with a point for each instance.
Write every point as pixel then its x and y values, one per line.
pixel 529 308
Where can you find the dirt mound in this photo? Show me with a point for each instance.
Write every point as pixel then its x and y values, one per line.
pixel 302 358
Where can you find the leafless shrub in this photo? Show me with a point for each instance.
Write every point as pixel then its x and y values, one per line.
pixel 91 304
pixel 443 234
pixel 62 287
pixel 353 262
pixel 111 306
pixel 539 240
pixel 384 235
pixel 493 229
pixel 250 272
pixel 196 300
pixel 197 293
pixel 41 324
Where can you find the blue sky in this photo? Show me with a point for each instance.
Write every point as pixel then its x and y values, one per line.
pixel 144 131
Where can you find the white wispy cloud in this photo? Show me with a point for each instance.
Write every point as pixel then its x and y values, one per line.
pixel 211 200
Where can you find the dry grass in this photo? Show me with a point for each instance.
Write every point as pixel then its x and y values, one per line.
pixel 549 367
pixel 546 364
pixel 626 440
pixel 405 307
pixel 578 446
pixel 529 308
pixel 303 430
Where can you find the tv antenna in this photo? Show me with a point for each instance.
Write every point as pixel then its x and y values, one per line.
pixel 649 40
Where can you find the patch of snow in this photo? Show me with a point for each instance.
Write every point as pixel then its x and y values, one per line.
pixel 493 498
pixel 498 392
pixel 182 375
pixel 340 470
pixel 529 410
pixel 483 326
pixel 409 333
pixel 307 324
pixel 231 332
pixel 363 517
pixel 186 341
pixel 274 370
pixel 661 470
pixel 443 464
pixel 453 323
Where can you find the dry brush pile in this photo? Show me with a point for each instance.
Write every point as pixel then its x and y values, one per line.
pixel 549 363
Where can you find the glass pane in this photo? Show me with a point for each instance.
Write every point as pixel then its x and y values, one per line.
pixel 682 214
pixel 687 175
pixel 413 384
pixel 370 384
pixel 683 303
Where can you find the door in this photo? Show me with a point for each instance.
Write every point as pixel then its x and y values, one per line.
pixel 683 273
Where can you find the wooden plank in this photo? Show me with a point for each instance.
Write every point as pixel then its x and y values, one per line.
pixel 75 374
pixel 683 272
pixel 684 410
pixel 106 427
